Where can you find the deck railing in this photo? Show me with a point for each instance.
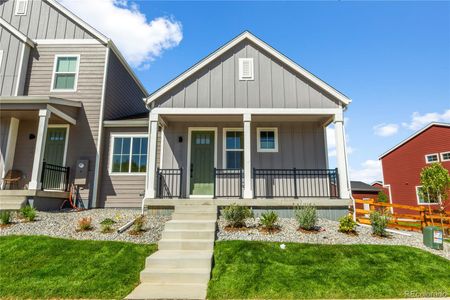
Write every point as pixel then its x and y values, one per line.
pixel 54 177
pixel 228 183
pixel 288 183
pixel 169 183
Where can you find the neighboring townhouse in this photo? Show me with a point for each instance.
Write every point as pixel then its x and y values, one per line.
pixel 60 79
pixel 403 163
pixel 246 122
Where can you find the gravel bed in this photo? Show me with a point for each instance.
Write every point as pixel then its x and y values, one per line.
pixel 328 234
pixel 64 224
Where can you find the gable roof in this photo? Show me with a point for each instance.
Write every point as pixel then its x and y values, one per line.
pixel 414 135
pixel 101 37
pixel 362 186
pixel 17 33
pixel 246 35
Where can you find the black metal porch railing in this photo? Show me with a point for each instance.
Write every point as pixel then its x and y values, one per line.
pixel 169 183
pixel 288 183
pixel 54 177
pixel 228 183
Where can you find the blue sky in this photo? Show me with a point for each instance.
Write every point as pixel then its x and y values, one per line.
pixel 391 58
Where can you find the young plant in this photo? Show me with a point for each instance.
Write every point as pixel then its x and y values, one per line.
pixel 107 225
pixel 306 216
pixel 379 221
pixel 382 197
pixel 235 215
pixel 347 224
pixel 85 224
pixel 269 220
pixel 138 225
pixel 5 217
pixel 29 213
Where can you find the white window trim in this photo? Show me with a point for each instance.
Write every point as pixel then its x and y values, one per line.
pixel 224 146
pixel 258 141
pixel 418 198
pixel 442 156
pixel 241 69
pixel 431 162
pixel 111 151
pixel 16 11
pixel 75 85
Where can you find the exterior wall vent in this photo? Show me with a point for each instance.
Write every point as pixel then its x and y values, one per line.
pixel 21 7
pixel 246 71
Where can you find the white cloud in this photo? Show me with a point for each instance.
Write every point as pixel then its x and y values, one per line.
pixel 418 121
pixel 140 40
pixel 369 171
pixel 385 129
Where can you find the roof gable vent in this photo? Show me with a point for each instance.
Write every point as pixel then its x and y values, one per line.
pixel 21 7
pixel 246 71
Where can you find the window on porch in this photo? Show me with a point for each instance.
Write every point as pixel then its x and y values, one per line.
pixel 234 149
pixel 129 154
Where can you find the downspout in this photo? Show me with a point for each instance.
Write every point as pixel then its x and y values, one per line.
pixel 347 168
pixel 146 173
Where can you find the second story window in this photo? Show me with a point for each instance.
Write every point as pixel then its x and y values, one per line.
pixel 21 7
pixel 65 73
pixel 431 158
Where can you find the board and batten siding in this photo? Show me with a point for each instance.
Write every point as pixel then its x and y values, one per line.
pixel 217 85
pixel 121 190
pixel 10 64
pixel 42 21
pixel 82 137
pixel 123 96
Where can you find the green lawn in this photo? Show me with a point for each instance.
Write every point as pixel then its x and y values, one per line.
pixel 42 267
pixel 261 270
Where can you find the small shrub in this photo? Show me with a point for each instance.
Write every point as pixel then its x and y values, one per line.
pixel 347 224
pixel 29 213
pixel 269 220
pixel 138 224
pixel 379 221
pixel 85 224
pixel 5 217
pixel 306 216
pixel 235 215
pixel 107 225
pixel 382 197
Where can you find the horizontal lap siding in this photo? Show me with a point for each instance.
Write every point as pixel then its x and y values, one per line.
pixel 9 69
pixel 42 21
pixel 83 137
pixel 275 85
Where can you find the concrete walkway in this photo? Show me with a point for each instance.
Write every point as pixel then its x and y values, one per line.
pixel 181 267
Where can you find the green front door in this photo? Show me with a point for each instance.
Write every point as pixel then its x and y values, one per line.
pixel 202 163
pixel 55 146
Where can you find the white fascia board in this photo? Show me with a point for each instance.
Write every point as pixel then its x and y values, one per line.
pixel 413 136
pixel 38 100
pixel 243 111
pixel 68 42
pixel 125 123
pixel 17 33
pixel 247 35
pixel 62 115
pixel 78 20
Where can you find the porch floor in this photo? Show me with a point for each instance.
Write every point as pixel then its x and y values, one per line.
pixel 15 199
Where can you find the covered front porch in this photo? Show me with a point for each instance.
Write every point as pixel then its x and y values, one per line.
pixel 252 157
pixel 35 137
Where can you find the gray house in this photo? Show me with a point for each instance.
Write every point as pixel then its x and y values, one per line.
pixel 246 123
pixel 60 79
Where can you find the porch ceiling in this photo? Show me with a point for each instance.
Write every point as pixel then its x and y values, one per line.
pixel 29 115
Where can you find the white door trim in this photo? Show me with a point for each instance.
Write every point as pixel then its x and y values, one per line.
pixel 66 143
pixel 188 169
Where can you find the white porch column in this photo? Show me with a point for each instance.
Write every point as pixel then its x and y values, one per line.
pixel 35 183
pixel 248 189
pixel 150 191
pixel 341 156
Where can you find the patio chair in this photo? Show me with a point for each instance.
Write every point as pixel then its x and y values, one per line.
pixel 12 179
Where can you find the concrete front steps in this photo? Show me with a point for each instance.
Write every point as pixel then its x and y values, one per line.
pixel 181 267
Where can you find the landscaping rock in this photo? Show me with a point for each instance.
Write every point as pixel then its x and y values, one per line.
pixel 64 224
pixel 328 234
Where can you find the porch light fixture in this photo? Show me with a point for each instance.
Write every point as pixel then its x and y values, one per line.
pixel 180 139
pixel 32 136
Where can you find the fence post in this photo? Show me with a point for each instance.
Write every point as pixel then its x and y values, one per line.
pixel 254 183
pixel 295 183
pixel 241 184
pixel 338 190
pixel 43 175
pixel 67 179
pixel 423 220
pixel 158 183
pixel 181 183
pixel 214 183
pixel 371 206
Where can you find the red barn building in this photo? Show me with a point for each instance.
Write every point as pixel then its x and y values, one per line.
pixel 402 164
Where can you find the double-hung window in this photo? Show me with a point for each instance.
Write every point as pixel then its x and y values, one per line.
pixel 65 73
pixel 267 139
pixel 423 198
pixel 234 148
pixel 129 154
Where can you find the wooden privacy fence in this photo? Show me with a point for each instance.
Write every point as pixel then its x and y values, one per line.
pixel 415 220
